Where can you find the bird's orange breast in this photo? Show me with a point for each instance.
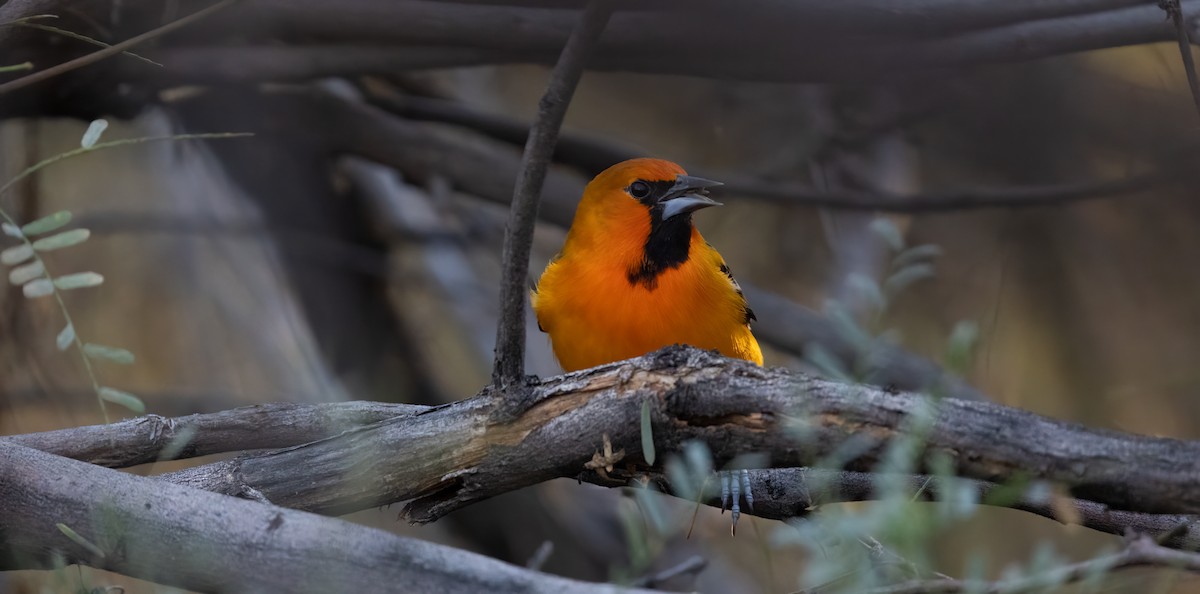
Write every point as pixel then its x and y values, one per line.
pixel 594 314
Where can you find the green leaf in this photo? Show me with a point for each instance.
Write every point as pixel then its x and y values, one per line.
pixel 180 440
pixel 107 353
pixel 79 540
pixel 62 240
pixel 868 289
pixel 12 230
pixel 818 356
pixel 79 280
pixel 95 129
pixel 17 67
pixel 122 398
pixel 906 276
pixel 47 223
pixel 38 288
pixel 916 254
pixel 66 337
pixel 847 327
pixel 961 345
pixel 23 274
pixel 647 434
pixel 16 254
pixel 889 232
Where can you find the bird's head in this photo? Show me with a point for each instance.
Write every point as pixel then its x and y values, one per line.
pixel 637 214
pixel 654 187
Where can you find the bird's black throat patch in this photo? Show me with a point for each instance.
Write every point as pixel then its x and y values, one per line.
pixel 667 245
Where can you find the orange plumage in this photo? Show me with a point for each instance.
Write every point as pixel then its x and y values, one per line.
pixel 635 275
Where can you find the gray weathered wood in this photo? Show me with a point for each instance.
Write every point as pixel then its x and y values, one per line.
pixel 188 538
pixel 451 456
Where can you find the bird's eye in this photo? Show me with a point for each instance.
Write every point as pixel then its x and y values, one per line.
pixel 639 189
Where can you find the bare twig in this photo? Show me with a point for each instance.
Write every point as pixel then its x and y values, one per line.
pixel 1175 12
pixel 950 201
pixel 518 241
pixel 112 50
pixel 1141 552
pixel 262 426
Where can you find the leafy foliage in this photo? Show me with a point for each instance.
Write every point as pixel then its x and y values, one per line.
pixel 28 269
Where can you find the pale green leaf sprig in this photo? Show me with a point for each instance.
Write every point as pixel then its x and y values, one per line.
pixel 28 270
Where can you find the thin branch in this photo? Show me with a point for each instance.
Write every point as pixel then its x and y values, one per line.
pixel 1141 552
pixel 518 241
pixel 1175 12
pixel 112 50
pixel 262 426
pixel 271 63
pixel 139 526
pixel 593 155
pixel 785 493
pixel 1010 197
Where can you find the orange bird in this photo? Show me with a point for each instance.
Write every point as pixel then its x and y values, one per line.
pixel 634 275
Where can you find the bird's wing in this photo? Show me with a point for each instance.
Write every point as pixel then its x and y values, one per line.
pixel 736 287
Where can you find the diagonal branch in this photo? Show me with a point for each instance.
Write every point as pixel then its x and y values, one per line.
pixel 518 241
pixel 111 50
pixel 170 534
pixel 1174 10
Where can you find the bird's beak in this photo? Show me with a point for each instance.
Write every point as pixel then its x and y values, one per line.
pixel 689 194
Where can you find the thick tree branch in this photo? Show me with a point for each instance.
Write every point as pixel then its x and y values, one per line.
pixel 783 492
pixel 854 39
pixel 539 148
pixel 173 535
pixel 454 455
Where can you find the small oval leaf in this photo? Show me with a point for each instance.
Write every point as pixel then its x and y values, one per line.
pixel 11 230
pixel 123 398
pixel 79 280
pixel 906 276
pixel 916 254
pixel 47 224
pixel 866 287
pixel 108 353
pixel 23 274
pixel 95 129
pixel 66 337
pixel 38 288
pixel 647 433
pixel 16 254
pixel 62 240
pixel 889 232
